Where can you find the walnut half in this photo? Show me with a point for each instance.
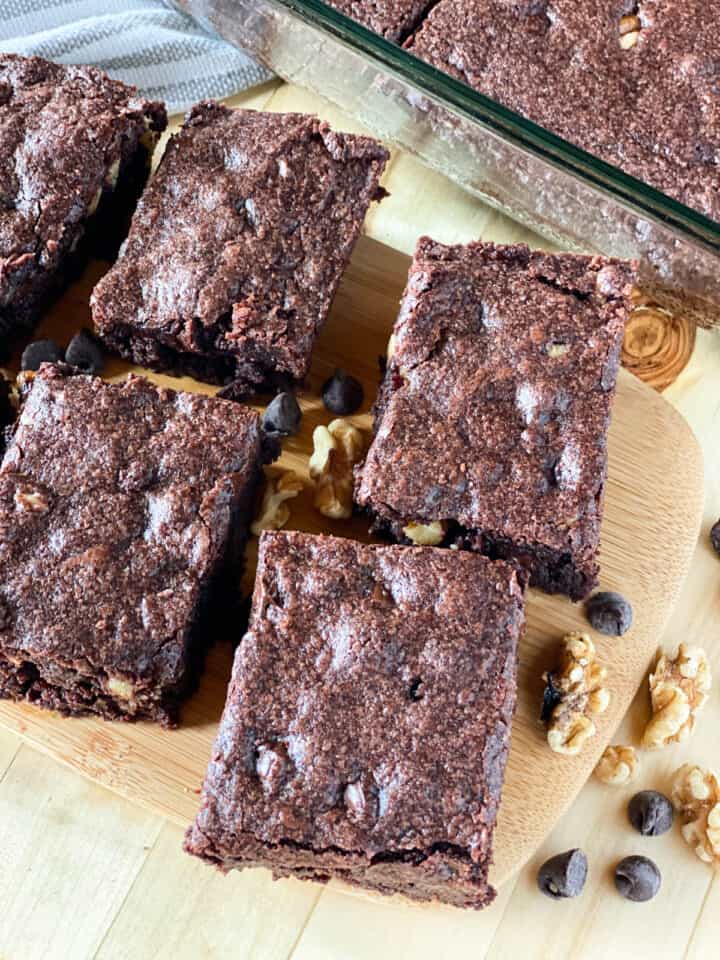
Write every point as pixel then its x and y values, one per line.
pixel 274 511
pixel 576 691
pixel 679 687
pixel 696 796
pixel 617 766
pixel 336 450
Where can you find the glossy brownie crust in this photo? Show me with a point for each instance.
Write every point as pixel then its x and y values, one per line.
pixel 237 247
pixel 392 19
pixel 367 723
pixel 495 405
pixel 121 508
pixel 652 109
pixel 74 155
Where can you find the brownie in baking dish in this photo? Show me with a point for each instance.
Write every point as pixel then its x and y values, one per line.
pixel 237 247
pixel 367 722
pixel 492 419
pixel 122 507
pixel 635 84
pixel 392 19
pixel 75 148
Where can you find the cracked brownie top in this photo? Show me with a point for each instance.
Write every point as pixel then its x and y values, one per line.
pixel 63 131
pixel 116 504
pixel 238 244
pixel 496 402
pixel 637 84
pixel 370 704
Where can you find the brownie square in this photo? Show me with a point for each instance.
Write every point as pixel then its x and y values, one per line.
pixel 392 19
pixel 75 149
pixel 122 507
pixel 367 722
pixel 491 422
pixel 237 247
pixel 636 85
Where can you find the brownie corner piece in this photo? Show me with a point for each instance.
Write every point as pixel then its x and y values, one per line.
pixel 75 149
pixel 237 247
pixel 367 723
pixel 492 419
pixel 123 510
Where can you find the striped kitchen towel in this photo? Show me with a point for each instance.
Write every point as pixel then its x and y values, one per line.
pixel 144 42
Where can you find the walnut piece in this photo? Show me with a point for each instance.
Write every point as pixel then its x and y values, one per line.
pixel 696 796
pixel 679 687
pixel 274 511
pixel 577 686
pixel 336 450
pixel 617 766
pixel 30 500
pixel 426 534
pixel 630 27
pixel 120 688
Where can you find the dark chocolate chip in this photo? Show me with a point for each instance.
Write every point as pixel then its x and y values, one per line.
pixel 637 878
pixel 85 353
pixel 4 615
pixel 282 416
pixel 416 692
pixel 651 813
pixel 715 537
pixel 552 696
pixel 609 613
pixel 355 801
pixel 40 351
pixel 270 766
pixel 564 875
pixel 342 393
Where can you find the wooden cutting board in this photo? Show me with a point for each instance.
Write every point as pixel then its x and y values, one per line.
pixel 652 517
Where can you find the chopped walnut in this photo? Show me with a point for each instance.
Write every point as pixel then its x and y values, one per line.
pixel 630 27
pixel 274 511
pixel 426 534
pixel 32 501
pixel 679 687
pixel 575 691
pixel 120 688
pixel 617 766
pixel 336 449
pixel 696 796
pixel 556 350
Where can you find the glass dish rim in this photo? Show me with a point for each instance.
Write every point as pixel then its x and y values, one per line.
pixel 506 123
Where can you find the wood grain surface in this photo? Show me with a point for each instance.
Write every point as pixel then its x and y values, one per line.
pixel 648 534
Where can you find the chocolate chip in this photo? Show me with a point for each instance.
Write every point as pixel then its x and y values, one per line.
pixel 715 537
pixel 85 353
pixel 40 351
pixel 563 875
pixel 609 613
pixel 270 766
pixel 354 798
pixel 4 615
pixel 416 692
pixel 552 696
pixel 282 416
pixel 342 393
pixel 651 813
pixel 637 878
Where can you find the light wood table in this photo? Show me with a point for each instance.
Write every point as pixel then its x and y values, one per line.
pixel 85 874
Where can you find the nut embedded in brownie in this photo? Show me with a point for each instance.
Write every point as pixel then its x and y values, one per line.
pixel 492 418
pixel 123 510
pixel 75 149
pixel 237 247
pixel 367 722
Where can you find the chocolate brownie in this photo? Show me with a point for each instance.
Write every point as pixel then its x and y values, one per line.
pixel 121 508
pixel 367 722
pixel 392 19
pixel 492 419
pixel 75 148
pixel 237 247
pixel 637 85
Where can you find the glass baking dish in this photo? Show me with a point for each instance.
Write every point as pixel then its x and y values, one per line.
pixel 570 197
